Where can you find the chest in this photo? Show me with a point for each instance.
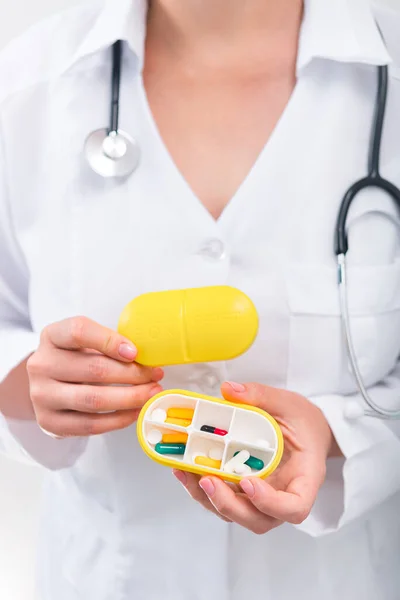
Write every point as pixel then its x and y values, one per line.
pixel 215 125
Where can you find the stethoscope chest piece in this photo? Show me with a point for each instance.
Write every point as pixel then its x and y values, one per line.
pixel 112 154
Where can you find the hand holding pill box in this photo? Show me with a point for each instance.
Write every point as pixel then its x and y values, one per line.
pixel 189 431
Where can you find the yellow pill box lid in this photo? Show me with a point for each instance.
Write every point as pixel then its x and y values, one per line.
pixel 248 428
pixel 195 325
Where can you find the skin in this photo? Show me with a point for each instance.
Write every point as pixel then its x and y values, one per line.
pixel 288 494
pixel 70 387
pixel 218 75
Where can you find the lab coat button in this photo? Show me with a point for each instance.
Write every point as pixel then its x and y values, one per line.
pixel 211 381
pixel 214 249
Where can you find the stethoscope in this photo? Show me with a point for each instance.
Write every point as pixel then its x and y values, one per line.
pixel 113 153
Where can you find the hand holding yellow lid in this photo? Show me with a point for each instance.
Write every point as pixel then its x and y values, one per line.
pixel 190 326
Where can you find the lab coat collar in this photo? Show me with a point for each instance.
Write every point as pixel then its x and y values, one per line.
pixel 118 20
pixel 341 30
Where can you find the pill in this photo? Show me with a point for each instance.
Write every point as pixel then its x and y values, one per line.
pixel 242 456
pixel 195 325
pixel 170 448
pixel 264 444
pixel 159 415
pixel 237 459
pixel 205 461
pixel 228 467
pixel 215 430
pixel 216 453
pixel 253 462
pixel 180 422
pixel 174 438
pixel 198 454
pixel 242 469
pixel 154 437
pixel 180 413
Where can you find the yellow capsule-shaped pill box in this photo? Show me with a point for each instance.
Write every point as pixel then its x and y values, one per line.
pixel 195 325
pixel 239 428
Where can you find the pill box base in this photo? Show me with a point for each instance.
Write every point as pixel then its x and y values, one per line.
pixel 248 428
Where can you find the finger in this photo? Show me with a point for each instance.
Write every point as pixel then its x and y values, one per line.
pixel 74 424
pixel 268 398
pixel 80 332
pixel 78 367
pixel 96 398
pixel 191 484
pixel 237 507
pixel 292 506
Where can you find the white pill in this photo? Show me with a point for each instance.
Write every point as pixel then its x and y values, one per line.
pixel 263 444
pixel 242 457
pixel 154 437
pixel 228 467
pixel 216 453
pixel 239 459
pixel 159 415
pixel 242 469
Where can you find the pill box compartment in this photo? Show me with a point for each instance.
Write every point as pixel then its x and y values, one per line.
pixel 246 429
pixel 213 414
pixel 233 447
pixel 248 426
pixel 149 431
pixel 171 401
pixel 201 444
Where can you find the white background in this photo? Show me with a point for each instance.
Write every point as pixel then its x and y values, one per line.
pixel 20 485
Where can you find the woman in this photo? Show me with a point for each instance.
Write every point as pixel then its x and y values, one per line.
pixel 252 118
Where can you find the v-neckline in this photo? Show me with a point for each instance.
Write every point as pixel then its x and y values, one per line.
pixel 183 187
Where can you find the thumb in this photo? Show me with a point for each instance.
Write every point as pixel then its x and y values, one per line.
pixel 268 398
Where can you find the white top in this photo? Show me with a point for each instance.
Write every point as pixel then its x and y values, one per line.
pixel 117 526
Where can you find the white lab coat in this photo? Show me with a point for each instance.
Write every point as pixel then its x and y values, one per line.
pixel 115 525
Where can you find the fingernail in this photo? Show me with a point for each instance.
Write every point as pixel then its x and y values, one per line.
pixel 247 487
pixel 181 477
pixel 158 374
pixel 127 351
pixel 207 486
pixel 237 387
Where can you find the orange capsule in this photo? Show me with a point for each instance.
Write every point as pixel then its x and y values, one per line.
pixel 174 438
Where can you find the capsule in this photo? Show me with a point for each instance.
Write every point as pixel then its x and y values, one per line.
pixel 215 430
pixel 242 469
pixel 170 448
pixel 238 459
pixel 174 438
pixel 253 462
pixel 181 413
pixel 195 325
pixel 180 422
pixel 204 461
